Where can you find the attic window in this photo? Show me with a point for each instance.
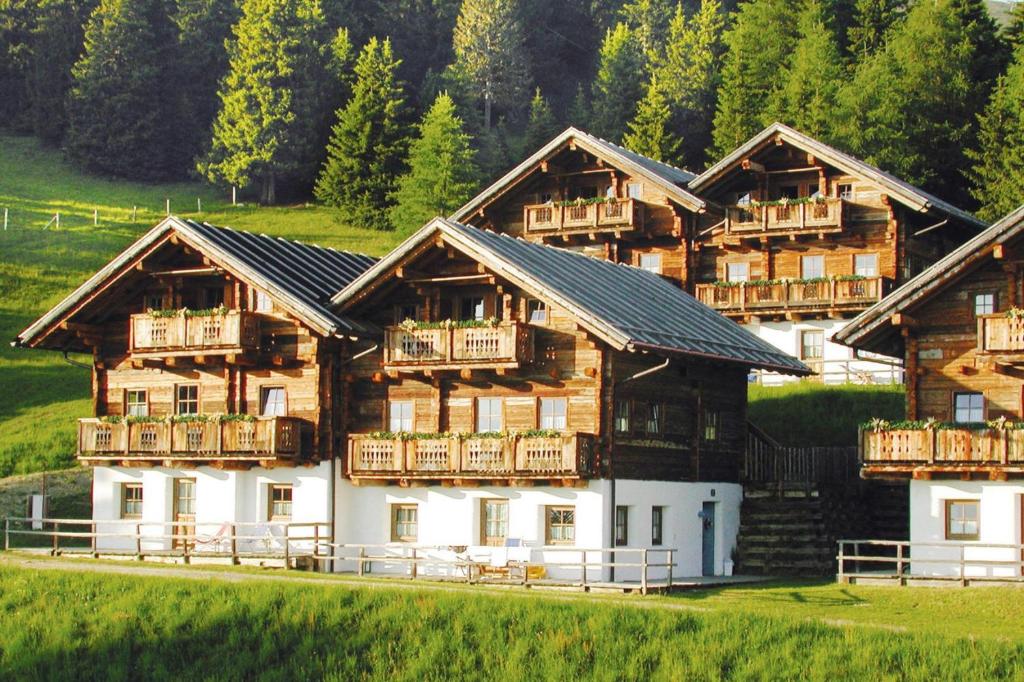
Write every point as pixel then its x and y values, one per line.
pixel 537 311
pixel 635 190
pixel 262 303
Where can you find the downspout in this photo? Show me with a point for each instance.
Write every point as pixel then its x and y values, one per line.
pixel 76 363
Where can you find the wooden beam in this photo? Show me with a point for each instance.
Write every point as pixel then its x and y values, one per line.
pixel 903 320
pixel 751 165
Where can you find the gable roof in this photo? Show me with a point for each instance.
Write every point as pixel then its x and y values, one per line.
pixel 668 178
pixel 904 192
pixel 629 308
pixel 301 277
pixel 868 329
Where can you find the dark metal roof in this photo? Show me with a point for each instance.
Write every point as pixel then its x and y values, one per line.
pixel 628 307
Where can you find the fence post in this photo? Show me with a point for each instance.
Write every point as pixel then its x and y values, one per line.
pixel 5 220
pixel 899 562
pixel 359 560
pixel 286 557
pixel 316 541
pixel 138 542
pixel 135 210
pixel 670 567
pixel 840 560
pixel 95 217
pixel 56 538
pixel 168 206
pixel 92 540
pixel 643 575
pixel 233 202
pixel 199 205
pixel 963 577
pixel 234 545
pixel 57 216
pixel 583 567
pixel 7 533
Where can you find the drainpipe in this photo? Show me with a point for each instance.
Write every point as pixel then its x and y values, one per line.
pixel 611 574
pixel 76 363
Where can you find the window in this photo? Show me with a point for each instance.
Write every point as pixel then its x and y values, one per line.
pixel 400 416
pixel 213 297
pixel 968 407
pixel 712 425
pixel 583 192
pixel 609 191
pixel 812 344
pixel 186 399
pixel 273 401
pixel 963 519
pixel 635 190
pixel 622 416
pixel 404 522
pixel 652 424
pixel 154 302
pixel 560 526
pixel 131 500
pixel 493 522
pixel 406 311
pixel 545 198
pixel 184 497
pixel 471 308
pixel 651 262
pixel 488 415
pixel 737 272
pixel 552 413
pixel 812 267
pixel 789 191
pixel 657 525
pixel 621 526
pixel 865 264
pixel 280 500
pixel 984 304
pixel 845 191
pixel 261 302
pixel 136 403
pixel 537 311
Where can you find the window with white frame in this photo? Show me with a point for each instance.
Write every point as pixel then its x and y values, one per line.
pixel 560 525
pixel 488 415
pixel 493 522
pixel 812 344
pixel 844 190
pixel 621 526
pixel 651 262
pixel 136 403
pixel 261 302
pixel 279 502
pixel 812 267
pixel 622 424
pixel 552 413
pixel 635 190
pixel 737 272
pixel 131 500
pixel 404 522
pixel 400 416
pixel 984 304
pixel 963 519
pixel 865 264
pixel 968 407
pixel 273 401
pixel 657 525
pixel 537 311
pixel 652 424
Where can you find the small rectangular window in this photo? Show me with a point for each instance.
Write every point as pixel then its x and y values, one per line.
pixel 407 311
pixel 136 403
pixel 261 302
pixel 963 519
pixel 552 413
pixel 493 522
pixel 812 344
pixel 865 264
pixel 488 415
pixel 652 424
pixel 621 526
pixel 400 416
pixel 789 192
pixel 657 525
pixel 984 304
pixel 622 424
pixel 471 308
pixel 560 526
pixel 273 401
pixel 154 302
pixel 280 498
pixel 845 191
pixel 968 407
pixel 186 399
pixel 404 522
pixel 737 272
pixel 651 262
pixel 213 297
pixel 537 311
pixel 712 425
pixel 812 267
pixel 635 190
pixel 131 500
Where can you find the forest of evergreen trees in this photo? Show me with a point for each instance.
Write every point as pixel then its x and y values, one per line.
pixel 397 110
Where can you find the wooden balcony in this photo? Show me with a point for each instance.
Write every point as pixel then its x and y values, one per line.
pixel 508 345
pixel 783 296
pixel 152 336
pixel 264 438
pixel 1000 334
pixel 783 220
pixel 920 452
pixel 614 215
pixel 555 457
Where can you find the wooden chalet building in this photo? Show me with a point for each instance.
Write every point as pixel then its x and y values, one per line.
pixel 959 328
pixel 785 234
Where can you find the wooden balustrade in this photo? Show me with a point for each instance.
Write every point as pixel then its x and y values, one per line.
pixel 153 335
pixel 896 449
pixel 564 456
pixel 613 214
pixel 792 294
pixel 214 439
pixel 825 215
pixel 508 344
pixel 1000 334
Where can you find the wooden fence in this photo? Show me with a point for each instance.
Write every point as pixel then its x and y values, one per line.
pixel 767 462
pixel 903 562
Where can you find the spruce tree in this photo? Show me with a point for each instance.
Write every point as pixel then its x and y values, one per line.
pixel 650 132
pixel 442 173
pixel 998 172
pixel 579 110
pixel 619 83
pixel 18 20
pixel 872 19
pixel 488 44
pixel 368 142
pixel 125 108
pixel 1014 31
pixel 542 125
pixel 273 97
pixel 650 20
pixel 807 100
pixel 758 48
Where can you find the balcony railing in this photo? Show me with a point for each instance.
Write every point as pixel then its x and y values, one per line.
pixel 507 344
pixel 263 437
pixel 613 214
pixel 894 449
pixel 154 335
pixel 813 216
pixel 1000 334
pixel 563 456
pixel 792 294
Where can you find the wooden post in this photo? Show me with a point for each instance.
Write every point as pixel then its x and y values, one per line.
pixel 199 205
pixel 899 562
pixel 168 205
pixel 57 217
pixel 286 557
pixel 316 541
pixel 841 561
pixel 56 538
pixel 234 545
pixel 7 533
pixel 138 542
pixel 412 573
pixel 963 577
pixel 233 196
pixel 5 220
pixel 92 540
pixel 184 543
pixel 95 217
pixel 135 210
pixel 643 574
pixel 362 550
pixel 671 566
pixel 583 566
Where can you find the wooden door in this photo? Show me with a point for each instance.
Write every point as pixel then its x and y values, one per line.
pixel 184 513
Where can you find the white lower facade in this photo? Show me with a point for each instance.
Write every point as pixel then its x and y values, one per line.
pixel 997 507
pixel 835 363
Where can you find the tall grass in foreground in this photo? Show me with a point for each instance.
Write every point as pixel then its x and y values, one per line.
pixel 80 626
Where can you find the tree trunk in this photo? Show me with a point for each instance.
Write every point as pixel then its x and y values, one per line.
pixel 487 112
pixel 268 193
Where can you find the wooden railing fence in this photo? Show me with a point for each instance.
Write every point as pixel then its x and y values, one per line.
pixel 960 562
pixel 767 462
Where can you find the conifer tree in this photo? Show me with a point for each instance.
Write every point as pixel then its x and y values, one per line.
pixel 488 44
pixel 125 107
pixel 579 112
pixel 368 142
pixel 758 48
pixel 273 97
pixel 17 22
pixel 650 132
pixel 442 172
pixel 650 20
pixel 872 19
pixel 807 100
pixel 619 84
pixel 542 125
pixel 998 172
pixel 1014 31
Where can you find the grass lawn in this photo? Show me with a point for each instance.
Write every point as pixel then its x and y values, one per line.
pixel 76 625
pixel 43 394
